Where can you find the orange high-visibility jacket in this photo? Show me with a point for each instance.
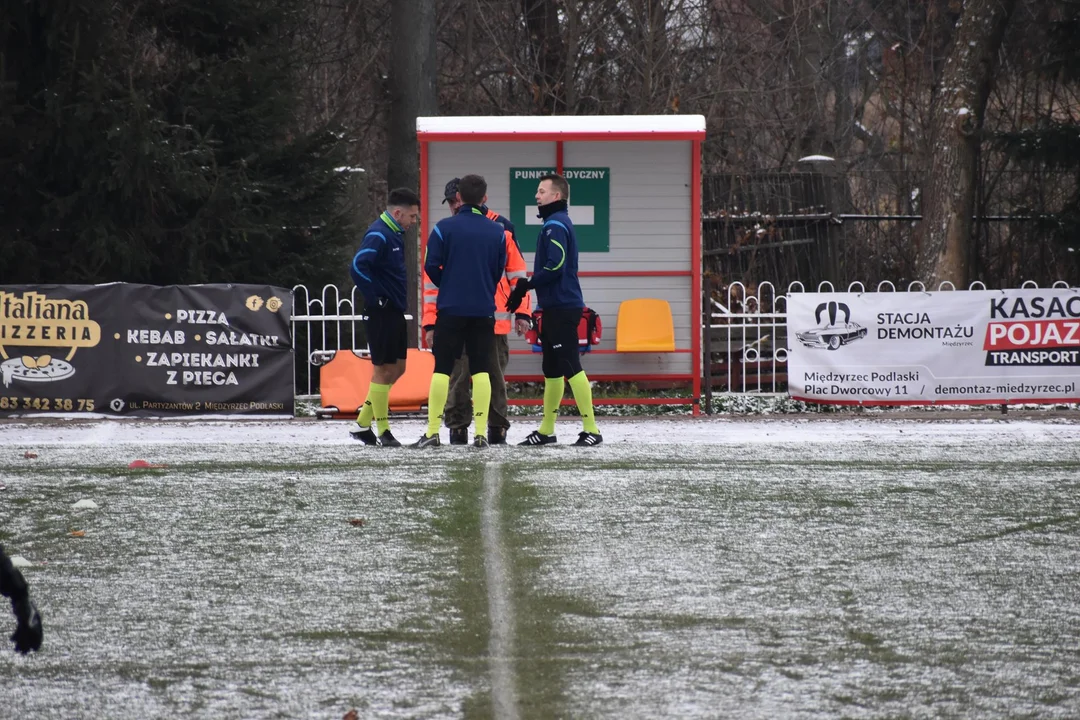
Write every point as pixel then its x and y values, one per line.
pixel 504 320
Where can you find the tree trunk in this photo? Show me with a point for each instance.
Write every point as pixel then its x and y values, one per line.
pixel 573 34
pixel 809 59
pixel 657 71
pixel 412 94
pixel 548 53
pixel 943 238
pixel 799 29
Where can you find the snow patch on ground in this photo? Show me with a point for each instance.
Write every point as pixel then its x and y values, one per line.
pixel 635 431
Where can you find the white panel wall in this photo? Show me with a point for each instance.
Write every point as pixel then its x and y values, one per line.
pixel 493 160
pixel 650 203
pixel 650 230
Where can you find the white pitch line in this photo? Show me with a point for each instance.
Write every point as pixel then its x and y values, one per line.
pixel 501 644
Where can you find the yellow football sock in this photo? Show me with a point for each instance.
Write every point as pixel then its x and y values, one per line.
pixel 481 402
pixel 379 397
pixel 367 412
pixel 553 392
pixel 436 403
pixel 579 385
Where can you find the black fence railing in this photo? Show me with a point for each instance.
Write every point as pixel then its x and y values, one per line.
pixel 818 226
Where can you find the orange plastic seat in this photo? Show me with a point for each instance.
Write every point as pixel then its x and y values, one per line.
pixel 344 381
pixel 645 325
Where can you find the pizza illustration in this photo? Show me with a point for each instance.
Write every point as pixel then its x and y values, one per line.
pixel 30 369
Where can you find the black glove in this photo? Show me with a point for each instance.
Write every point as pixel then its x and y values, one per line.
pixel 513 302
pixel 27 635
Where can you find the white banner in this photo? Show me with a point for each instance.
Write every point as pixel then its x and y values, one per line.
pixel 907 348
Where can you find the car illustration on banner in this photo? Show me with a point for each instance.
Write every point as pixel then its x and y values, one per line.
pixel 832 334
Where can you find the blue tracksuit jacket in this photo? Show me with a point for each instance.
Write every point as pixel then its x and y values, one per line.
pixel 466 257
pixel 378 269
pixel 555 266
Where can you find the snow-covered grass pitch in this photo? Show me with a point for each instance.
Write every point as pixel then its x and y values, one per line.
pixel 687 568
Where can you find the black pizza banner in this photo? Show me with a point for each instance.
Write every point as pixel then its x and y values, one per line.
pixel 145 350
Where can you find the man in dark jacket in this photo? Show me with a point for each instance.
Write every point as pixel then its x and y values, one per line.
pixel 378 270
pixel 558 293
pixel 466 257
pixel 27 635
pixel 458 412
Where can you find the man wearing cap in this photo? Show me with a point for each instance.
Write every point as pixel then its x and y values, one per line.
pixel 458 412
pixel 450 197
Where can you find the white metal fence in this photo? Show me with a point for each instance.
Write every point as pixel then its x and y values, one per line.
pixel 744 338
pixel 322 326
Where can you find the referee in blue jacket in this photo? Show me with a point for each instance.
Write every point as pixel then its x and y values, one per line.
pixel 466 258
pixel 558 293
pixel 378 270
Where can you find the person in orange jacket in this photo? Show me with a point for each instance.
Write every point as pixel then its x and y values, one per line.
pixel 458 412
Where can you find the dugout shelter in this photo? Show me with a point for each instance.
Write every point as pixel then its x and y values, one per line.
pixel 635 200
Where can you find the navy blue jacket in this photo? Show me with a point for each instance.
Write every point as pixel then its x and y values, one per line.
pixel 466 257
pixel 555 265
pixel 378 268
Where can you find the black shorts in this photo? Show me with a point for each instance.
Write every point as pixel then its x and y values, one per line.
pixel 559 341
pixel 476 335
pixel 387 335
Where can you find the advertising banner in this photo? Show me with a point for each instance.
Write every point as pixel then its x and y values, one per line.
pixel 903 348
pixel 144 350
